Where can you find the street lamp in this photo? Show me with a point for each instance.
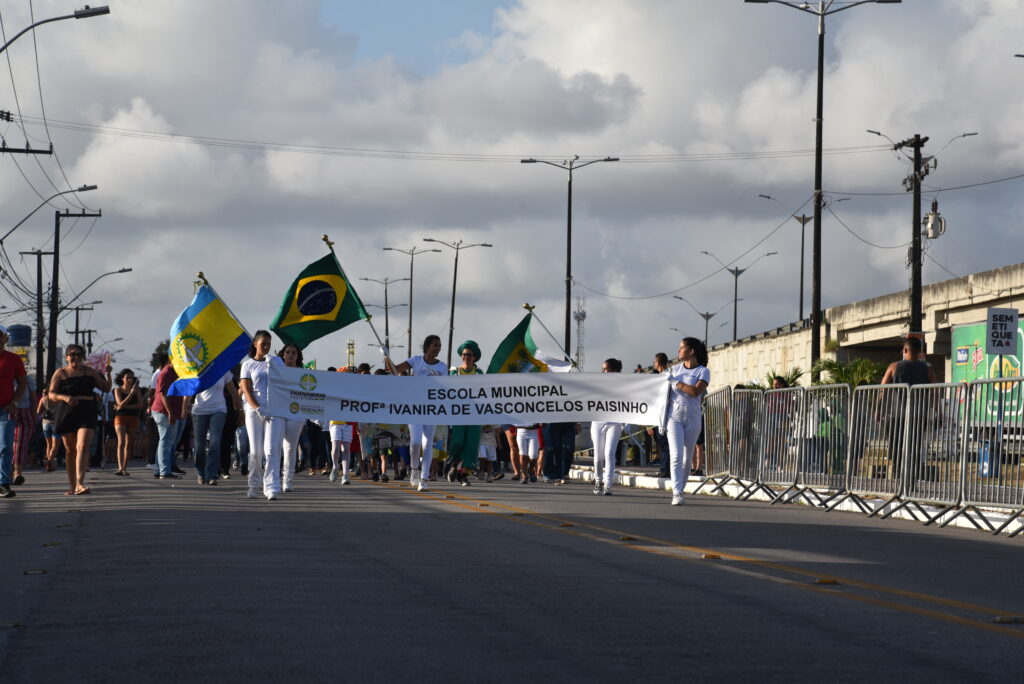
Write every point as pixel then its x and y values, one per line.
pixel 736 273
pixel 387 308
pixel 569 165
pixel 803 220
pixel 83 13
pixel 387 327
pixel 412 256
pixel 457 246
pixel 706 315
pixel 81 188
pixel 822 10
pixel 51 353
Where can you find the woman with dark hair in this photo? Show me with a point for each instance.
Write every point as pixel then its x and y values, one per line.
pixel 209 415
pixel 464 440
pixel 74 388
pixel 292 357
pixel 689 381
pixel 605 437
pixel 265 433
pixel 422 436
pixel 127 415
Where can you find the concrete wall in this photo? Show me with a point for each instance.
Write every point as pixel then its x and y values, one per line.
pixel 871 328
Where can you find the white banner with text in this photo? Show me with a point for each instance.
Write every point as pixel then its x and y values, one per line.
pixel 503 398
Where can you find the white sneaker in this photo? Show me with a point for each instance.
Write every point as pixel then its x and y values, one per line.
pixel 344 480
pixel 252 493
pixel 421 487
pixel 598 488
pixel 334 475
pixel 678 500
pixel 271 496
pixel 286 488
pixel 415 476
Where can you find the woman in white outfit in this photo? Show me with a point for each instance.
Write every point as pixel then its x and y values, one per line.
pixel 528 441
pixel 341 444
pixel 421 437
pixel 689 381
pixel 605 437
pixel 265 433
pixel 292 357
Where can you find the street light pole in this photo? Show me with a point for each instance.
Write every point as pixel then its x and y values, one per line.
pixel 569 165
pixel 822 10
pixel 51 353
pixel 706 315
pixel 736 273
pixel 457 246
pixel 77 14
pixel 387 319
pixel 412 256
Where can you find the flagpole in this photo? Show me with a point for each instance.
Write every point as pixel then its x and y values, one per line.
pixel 369 319
pixel 537 318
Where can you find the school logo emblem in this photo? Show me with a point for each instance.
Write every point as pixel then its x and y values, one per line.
pixel 293 407
pixel 308 382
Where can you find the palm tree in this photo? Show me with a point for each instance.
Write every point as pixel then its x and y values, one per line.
pixel 854 373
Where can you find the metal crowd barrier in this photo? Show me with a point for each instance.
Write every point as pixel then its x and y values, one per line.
pixel 992 447
pixel 781 446
pixel 952 447
pixel 716 436
pixel 744 443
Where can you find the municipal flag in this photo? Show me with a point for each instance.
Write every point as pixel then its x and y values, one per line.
pixel 320 301
pixel 207 341
pixel 518 353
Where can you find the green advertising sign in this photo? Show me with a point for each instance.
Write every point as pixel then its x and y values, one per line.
pixel 970 362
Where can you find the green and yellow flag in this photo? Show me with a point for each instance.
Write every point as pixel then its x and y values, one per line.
pixel 518 353
pixel 320 301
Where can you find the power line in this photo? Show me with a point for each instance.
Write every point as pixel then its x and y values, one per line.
pixel 865 241
pixel 384 153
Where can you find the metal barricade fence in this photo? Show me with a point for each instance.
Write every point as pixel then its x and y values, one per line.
pixel 933 448
pixel 877 415
pixel 745 433
pixel 826 417
pixel 781 447
pixel 993 448
pixel 716 407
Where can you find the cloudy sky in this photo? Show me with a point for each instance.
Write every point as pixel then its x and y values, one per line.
pixel 226 136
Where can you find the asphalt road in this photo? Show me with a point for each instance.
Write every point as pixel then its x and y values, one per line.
pixel 154 581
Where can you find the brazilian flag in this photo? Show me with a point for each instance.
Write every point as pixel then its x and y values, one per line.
pixel 320 301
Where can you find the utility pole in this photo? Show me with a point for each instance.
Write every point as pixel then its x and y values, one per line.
pixel 913 184
pixel 803 219
pixel 77 331
pixel 51 353
pixel 40 332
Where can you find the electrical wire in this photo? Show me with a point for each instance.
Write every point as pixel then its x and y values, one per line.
pixel 708 276
pixel 865 241
pixel 383 153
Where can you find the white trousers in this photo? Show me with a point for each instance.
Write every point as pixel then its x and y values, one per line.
pixel 488 453
pixel 529 442
pixel 682 438
pixel 265 438
pixel 292 430
pixel 605 437
pixel 341 438
pixel 421 448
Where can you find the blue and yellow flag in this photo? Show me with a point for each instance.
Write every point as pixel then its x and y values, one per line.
pixel 206 342
pixel 320 301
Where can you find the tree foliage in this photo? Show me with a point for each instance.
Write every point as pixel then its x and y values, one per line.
pixel 854 373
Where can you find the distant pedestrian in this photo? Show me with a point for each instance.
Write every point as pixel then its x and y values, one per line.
pixel 127 412
pixel 75 387
pixel 605 437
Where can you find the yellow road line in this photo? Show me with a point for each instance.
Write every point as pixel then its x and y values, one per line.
pixel 670 549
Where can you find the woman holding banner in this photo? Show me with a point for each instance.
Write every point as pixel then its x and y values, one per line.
pixel 265 433
pixel 605 437
pixel 464 440
pixel 292 357
pixel 422 436
pixel 689 381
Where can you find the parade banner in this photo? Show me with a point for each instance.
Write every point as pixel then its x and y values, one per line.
pixel 513 398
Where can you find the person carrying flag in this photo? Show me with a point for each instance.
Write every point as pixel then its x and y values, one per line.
pixel 464 440
pixel 265 432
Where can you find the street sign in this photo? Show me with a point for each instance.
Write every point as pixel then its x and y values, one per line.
pixel 1001 332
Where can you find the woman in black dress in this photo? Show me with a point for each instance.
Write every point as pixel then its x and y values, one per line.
pixel 74 389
